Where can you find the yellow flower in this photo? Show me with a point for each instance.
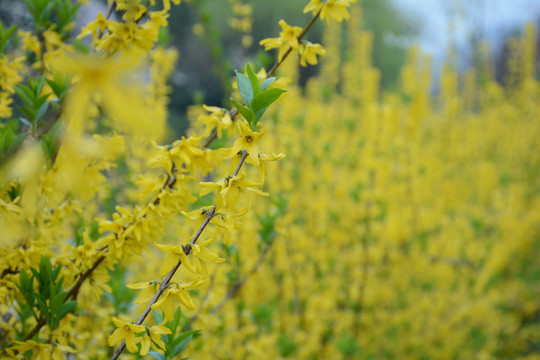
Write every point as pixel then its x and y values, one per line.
pixel 126 331
pixel 105 81
pixel 200 251
pixel 336 9
pixel 166 301
pixel 218 118
pixel 262 164
pixel 100 24
pixel 272 43
pixel 314 6
pixel 133 11
pixel 154 339
pixel 5 108
pixel 238 187
pixel 30 42
pixel 309 52
pixel 173 254
pixel 155 332
pixel 288 36
pixel 248 141
pixel 167 4
pixel 149 290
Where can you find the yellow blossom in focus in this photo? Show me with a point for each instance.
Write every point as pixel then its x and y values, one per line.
pixel 167 300
pixel 149 289
pixel 126 332
pixel 248 141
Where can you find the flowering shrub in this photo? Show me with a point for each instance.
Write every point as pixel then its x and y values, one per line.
pixel 399 226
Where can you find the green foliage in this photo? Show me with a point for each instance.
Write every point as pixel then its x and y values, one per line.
pixel 10 139
pixel 35 105
pixel 287 347
pixel 256 96
pixel 64 11
pixel 120 296
pixel 49 301
pixel 5 35
pixel 348 346
pixel 177 341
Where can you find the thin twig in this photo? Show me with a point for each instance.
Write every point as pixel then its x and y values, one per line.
pixel 187 250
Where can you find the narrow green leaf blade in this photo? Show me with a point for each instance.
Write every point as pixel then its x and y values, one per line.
pixel 266 83
pixel 254 80
pixel 246 113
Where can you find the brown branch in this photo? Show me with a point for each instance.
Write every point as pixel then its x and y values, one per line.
pixel 187 250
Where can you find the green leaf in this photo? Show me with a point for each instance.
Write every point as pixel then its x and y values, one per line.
pixel 25 122
pixel 28 112
pixel 42 110
pixel 183 340
pixel 41 304
pixel 265 99
pixel 59 85
pixel 39 86
pixel 266 83
pixel 157 355
pixel 4 38
pixel 254 80
pixel 66 309
pixel 246 113
pixel 25 283
pixel 25 93
pixel 45 13
pixel 244 86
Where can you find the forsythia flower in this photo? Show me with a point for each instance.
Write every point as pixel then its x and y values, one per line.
pixel 231 190
pixel 218 118
pixel 154 339
pixel 336 9
pixel 149 289
pixel 309 52
pixel 126 331
pixel 166 301
pixel 101 23
pixel 248 141
pixel 288 36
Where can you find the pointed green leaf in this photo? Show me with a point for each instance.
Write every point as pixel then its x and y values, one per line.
pixel 157 355
pixel 42 110
pixel 246 113
pixel 266 83
pixel 39 86
pixel 254 80
pixel 66 309
pixel 4 38
pixel 265 98
pixel 26 95
pixel 26 111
